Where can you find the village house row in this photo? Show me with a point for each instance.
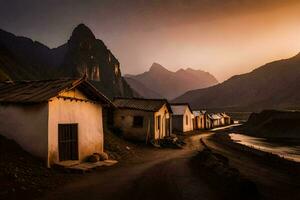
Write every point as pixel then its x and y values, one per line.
pixel 65 119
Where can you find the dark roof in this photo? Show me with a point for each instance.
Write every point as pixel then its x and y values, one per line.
pixel 43 90
pixel 151 105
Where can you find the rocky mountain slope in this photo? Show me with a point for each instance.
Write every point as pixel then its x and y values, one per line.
pixel 274 85
pixel 141 89
pixel 169 84
pixel 83 54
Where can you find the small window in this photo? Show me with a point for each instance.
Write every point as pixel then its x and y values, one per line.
pixel 186 120
pixel 138 121
pixel 158 122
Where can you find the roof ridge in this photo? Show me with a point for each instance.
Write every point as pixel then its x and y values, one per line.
pixel 42 80
pixel 179 104
pixel 139 98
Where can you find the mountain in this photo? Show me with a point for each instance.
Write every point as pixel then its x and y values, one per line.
pixel 83 54
pixel 275 85
pixel 143 91
pixel 161 82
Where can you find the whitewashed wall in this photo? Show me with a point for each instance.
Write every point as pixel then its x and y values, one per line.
pixel 88 115
pixel 27 125
pixel 123 119
pixel 187 126
pixel 164 114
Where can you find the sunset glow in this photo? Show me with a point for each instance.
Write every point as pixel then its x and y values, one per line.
pixel 224 38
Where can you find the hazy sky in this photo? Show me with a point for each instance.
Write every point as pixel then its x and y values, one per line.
pixel 224 37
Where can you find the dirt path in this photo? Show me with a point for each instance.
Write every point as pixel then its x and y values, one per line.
pixel 166 175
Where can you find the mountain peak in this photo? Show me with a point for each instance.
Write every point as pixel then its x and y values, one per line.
pixel 157 67
pixel 82 32
pixel 189 69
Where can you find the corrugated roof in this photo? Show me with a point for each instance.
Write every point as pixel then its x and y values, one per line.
pixel 179 108
pixel 225 115
pixel 198 112
pixel 215 116
pixel 151 105
pixel 43 90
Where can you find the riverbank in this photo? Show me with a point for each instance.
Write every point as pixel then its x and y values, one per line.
pixel 288 149
pixel 275 177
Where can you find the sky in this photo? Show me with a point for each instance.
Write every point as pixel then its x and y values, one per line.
pixel 223 37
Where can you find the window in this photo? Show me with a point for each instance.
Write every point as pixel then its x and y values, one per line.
pixel 158 122
pixel 138 121
pixel 187 120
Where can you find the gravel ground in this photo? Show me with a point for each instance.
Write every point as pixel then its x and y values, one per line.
pixel 23 176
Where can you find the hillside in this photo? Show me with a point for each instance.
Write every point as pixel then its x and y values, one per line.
pixel 274 85
pixel 83 54
pixel 169 84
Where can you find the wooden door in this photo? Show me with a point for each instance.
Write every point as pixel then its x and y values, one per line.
pixel 68 141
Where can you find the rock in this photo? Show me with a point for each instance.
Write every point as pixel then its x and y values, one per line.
pixel 102 156
pixel 93 158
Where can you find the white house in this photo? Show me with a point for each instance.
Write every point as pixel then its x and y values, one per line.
pixel 57 120
pixel 143 119
pixel 199 119
pixel 227 119
pixel 182 118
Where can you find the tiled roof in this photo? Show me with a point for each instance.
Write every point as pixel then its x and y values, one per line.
pixel 43 90
pixel 151 105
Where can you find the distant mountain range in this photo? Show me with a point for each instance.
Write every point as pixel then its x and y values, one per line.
pixel 275 85
pixel 159 82
pixel 83 54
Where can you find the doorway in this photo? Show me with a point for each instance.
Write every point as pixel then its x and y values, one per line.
pixel 68 141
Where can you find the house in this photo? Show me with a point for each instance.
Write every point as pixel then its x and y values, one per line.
pixel 227 119
pixel 208 121
pixel 216 120
pixel 143 119
pixel 199 119
pixel 195 121
pixel 182 118
pixel 57 120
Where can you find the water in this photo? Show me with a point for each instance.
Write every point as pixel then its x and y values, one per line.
pixel 287 148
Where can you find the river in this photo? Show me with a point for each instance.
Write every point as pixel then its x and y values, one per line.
pixel 287 148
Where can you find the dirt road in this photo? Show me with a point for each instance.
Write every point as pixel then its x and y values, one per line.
pixel 167 174
pixel 163 175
